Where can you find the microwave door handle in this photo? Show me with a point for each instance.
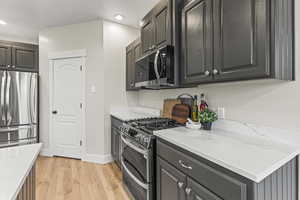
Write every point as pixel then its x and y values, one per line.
pixel 155 65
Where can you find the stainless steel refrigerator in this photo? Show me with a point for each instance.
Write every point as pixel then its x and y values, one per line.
pixel 18 108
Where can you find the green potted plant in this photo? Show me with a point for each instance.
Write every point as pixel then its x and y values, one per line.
pixel 206 118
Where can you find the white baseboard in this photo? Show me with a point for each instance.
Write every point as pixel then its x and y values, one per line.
pixel 99 159
pixel 46 152
pixel 93 158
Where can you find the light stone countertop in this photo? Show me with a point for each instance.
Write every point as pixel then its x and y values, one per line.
pixel 130 113
pixel 15 165
pixel 251 151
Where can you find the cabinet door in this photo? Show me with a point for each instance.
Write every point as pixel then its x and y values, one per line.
pixel 113 139
pixel 130 69
pixel 147 35
pixel 170 182
pixel 162 23
pixel 25 58
pixel 117 147
pixel 137 51
pixel 197 42
pixel 5 56
pixel 241 39
pixel 195 191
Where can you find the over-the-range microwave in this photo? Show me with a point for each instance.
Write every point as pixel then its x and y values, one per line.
pixel 156 70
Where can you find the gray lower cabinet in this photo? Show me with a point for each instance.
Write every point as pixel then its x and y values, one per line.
pixel 182 175
pixel 170 182
pixel 115 140
pixel 19 56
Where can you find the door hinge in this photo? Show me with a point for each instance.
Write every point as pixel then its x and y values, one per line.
pixel 80 67
pixel 80 142
pixel 81 105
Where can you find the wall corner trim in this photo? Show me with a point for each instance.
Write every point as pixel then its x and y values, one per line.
pixel 46 152
pixel 99 159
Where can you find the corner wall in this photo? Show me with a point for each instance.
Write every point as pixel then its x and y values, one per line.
pixel 105 43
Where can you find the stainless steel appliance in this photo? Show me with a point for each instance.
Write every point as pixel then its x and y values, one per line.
pixel 18 108
pixel 138 155
pixel 156 70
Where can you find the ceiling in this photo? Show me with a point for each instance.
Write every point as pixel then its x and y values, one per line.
pixel 27 18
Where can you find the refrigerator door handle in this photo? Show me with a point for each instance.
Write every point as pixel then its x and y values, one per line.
pixel 33 98
pixel 2 98
pixel 7 98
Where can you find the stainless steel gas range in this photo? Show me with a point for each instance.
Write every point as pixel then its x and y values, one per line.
pixel 138 155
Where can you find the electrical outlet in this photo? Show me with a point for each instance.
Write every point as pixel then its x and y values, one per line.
pixel 221 113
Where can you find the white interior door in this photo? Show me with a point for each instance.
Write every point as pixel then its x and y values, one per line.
pixel 67 121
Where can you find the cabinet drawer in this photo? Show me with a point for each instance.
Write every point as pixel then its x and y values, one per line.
pixel 226 187
pixel 116 122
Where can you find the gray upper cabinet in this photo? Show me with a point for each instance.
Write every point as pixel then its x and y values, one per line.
pixel 147 34
pixel 170 182
pixel 197 45
pixel 133 52
pixel 158 28
pixel 5 55
pixel 241 39
pixel 25 57
pixel 19 56
pixel 237 40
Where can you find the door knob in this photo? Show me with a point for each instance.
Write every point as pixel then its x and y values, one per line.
pixel 206 73
pixel 180 184
pixel 215 71
pixel 188 191
pixel 54 112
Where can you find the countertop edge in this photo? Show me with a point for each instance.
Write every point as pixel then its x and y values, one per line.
pixel 15 195
pixel 256 178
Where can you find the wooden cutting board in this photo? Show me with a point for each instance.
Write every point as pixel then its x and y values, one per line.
pixel 181 113
pixel 168 107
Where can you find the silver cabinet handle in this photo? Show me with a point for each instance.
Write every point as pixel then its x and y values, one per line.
pixel 206 73
pixel 184 165
pixel 188 191
pixel 215 71
pixel 8 66
pixel 180 184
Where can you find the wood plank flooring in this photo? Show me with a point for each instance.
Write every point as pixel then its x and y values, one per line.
pixel 69 179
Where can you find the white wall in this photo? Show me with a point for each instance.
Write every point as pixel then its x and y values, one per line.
pixel 115 39
pixel 270 103
pixel 79 36
pixel 105 43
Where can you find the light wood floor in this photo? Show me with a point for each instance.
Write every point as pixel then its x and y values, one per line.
pixel 69 179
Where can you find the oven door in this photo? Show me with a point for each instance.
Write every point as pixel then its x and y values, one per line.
pixel 134 161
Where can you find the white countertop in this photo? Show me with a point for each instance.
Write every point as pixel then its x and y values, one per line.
pixel 15 165
pixel 251 151
pixel 130 113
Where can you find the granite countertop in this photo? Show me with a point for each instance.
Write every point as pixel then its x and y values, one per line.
pixel 251 151
pixel 15 165
pixel 130 113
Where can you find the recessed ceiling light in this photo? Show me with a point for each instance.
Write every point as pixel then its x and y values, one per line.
pixel 119 17
pixel 2 22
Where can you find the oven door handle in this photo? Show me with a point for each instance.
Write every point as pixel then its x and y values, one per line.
pixel 140 183
pixel 142 151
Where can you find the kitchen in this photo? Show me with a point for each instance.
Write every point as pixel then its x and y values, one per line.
pixel 117 81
